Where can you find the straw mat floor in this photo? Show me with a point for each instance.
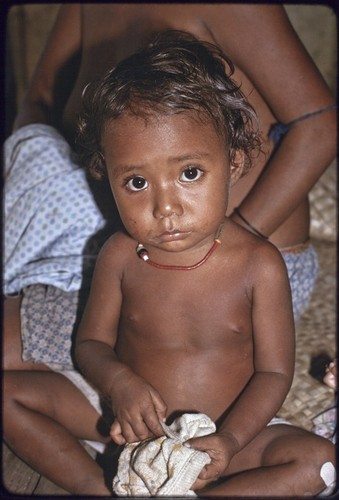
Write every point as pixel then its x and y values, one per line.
pixel 315 332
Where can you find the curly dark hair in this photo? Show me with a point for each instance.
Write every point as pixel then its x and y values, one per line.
pixel 173 74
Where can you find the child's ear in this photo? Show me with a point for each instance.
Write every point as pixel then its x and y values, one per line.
pixel 237 165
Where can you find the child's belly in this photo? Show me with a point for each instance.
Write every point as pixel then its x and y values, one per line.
pixel 190 379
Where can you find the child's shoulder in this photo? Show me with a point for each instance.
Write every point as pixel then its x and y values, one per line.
pixel 120 239
pixel 118 248
pixel 255 252
pixel 268 264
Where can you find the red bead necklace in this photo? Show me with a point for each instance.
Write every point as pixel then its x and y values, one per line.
pixel 143 254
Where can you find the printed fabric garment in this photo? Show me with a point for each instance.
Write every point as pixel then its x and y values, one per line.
pixel 50 212
pixel 302 268
pixel 325 424
pixel 164 466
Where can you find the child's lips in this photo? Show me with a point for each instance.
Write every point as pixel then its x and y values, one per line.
pixel 174 235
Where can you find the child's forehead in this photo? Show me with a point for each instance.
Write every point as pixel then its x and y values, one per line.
pixel 145 120
pixel 134 141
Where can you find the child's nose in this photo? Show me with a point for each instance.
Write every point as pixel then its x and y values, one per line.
pixel 167 204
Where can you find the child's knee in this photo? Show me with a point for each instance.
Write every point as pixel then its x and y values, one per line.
pixel 19 390
pixel 10 390
pixel 10 387
pixel 322 450
pixel 319 461
pixel 309 460
pixel 325 458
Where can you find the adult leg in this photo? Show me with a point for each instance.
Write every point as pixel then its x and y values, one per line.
pixel 44 416
pixel 282 461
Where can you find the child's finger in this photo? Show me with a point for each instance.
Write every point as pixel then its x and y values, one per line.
pixel 141 430
pixel 199 484
pixel 155 414
pixel 153 424
pixel 200 443
pixel 159 406
pixel 210 472
pixel 116 433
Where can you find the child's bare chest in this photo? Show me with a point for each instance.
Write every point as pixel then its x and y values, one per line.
pixel 186 332
pixel 191 308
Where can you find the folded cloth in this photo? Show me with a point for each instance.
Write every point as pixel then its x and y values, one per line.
pixel 164 466
pixel 50 212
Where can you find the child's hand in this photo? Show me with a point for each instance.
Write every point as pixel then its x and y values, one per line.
pixel 138 408
pixel 219 448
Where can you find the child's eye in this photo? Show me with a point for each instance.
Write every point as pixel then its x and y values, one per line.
pixel 191 174
pixel 137 184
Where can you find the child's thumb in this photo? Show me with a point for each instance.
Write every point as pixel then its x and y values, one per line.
pixel 198 443
pixel 159 406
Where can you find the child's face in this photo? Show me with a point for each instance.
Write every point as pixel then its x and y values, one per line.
pixel 170 177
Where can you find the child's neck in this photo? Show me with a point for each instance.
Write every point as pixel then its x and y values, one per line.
pixel 143 254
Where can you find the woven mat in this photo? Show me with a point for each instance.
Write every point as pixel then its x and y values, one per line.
pixel 315 332
pixel 323 205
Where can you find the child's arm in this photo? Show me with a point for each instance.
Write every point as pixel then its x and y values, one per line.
pixel 136 404
pixel 273 339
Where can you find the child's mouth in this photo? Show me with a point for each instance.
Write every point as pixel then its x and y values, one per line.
pixel 174 235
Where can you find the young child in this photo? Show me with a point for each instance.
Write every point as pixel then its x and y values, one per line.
pixel 188 311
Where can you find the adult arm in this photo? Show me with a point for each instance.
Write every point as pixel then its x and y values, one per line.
pixel 262 43
pixel 55 73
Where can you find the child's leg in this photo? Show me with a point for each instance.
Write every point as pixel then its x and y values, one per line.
pixel 44 415
pixel 282 461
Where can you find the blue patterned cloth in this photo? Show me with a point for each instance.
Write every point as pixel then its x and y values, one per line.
pixel 48 318
pixel 50 212
pixel 302 268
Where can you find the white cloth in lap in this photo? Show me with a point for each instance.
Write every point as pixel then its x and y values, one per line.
pixel 164 466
